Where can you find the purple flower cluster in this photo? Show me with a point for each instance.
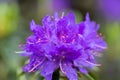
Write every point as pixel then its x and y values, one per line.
pixel 110 9
pixel 60 4
pixel 62 43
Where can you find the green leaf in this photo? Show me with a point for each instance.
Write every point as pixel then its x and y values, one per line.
pixel 89 77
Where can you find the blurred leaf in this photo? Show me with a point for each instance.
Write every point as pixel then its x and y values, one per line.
pixel 9 15
pixel 79 16
pixel 22 77
pixel 89 77
pixel 113 39
pixel 19 72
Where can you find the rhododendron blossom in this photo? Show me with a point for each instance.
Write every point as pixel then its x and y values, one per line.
pixel 62 43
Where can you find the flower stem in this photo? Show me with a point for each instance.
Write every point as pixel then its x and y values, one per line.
pixel 56 75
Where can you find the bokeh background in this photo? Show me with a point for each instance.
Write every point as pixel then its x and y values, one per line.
pixel 15 16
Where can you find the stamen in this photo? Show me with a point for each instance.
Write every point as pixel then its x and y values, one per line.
pixel 19 52
pixel 61 67
pixel 100 46
pixel 30 43
pixel 62 14
pixel 54 59
pixel 63 36
pixel 93 63
pixel 36 66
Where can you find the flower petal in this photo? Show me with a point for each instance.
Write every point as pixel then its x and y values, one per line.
pixel 46 21
pixel 48 77
pixel 56 16
pixel 32 25
pixel 25 53
pixel 68 70
pixel 48 68
pixel 34 64
pixel 71 17
pixel 83 70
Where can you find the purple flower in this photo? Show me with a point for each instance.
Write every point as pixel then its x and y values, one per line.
pixel 62 43
pixel 60 4
pixel 110 8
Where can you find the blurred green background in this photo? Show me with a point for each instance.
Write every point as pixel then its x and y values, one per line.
pixel 15 16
